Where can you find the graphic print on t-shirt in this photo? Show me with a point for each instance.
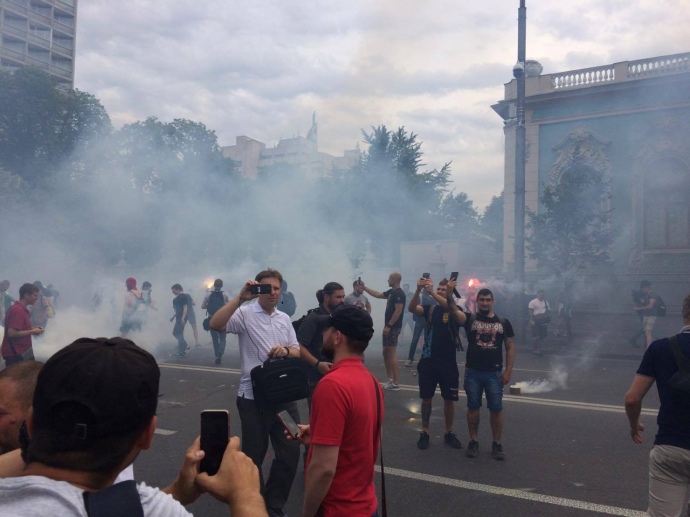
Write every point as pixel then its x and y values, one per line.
pixel 486 333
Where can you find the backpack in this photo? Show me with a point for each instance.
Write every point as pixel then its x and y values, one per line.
pixel 297 323
pixel 215 301
pixel 288 304
pixel 659 306
pixel 681 379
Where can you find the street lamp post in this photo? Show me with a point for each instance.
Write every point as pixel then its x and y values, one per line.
pixel 519 242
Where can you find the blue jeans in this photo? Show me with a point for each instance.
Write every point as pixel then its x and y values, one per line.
pixel 478 381
pixel 416 334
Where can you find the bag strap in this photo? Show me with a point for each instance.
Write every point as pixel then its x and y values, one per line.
pixel 378 438
pixel 682 362
pixel 116 500
pixel 9 342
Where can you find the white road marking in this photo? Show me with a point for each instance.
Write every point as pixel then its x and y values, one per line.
pixel 164 432
pixel 517 494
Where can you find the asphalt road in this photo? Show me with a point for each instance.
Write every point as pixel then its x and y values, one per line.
pixel 568 450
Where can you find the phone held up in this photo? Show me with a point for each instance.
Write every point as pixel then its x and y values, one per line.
pixel 215 432
pixel 288 423
pixel 426 275
pixel 454 277
pixel 260 288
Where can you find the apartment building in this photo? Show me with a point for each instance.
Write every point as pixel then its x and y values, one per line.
pixel 39 33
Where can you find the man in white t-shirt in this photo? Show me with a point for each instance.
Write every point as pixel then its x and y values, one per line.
pixel 94 411
pixel 539 317
pixel 263 332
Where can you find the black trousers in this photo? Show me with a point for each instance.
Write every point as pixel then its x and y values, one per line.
pixel 218 339
pixel 258 426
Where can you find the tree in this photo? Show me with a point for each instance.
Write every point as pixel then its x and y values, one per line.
pixel 41 127
pixel 573 229
pixel 389 198
pixel 491 223
pixel 458 217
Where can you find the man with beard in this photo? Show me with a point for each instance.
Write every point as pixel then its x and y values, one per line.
pixel 393 318
pixel 344 428
pixel 357 297
pixel 263 331
pixel 310 336
pixel 16 342
pixel 438 365
pixel 487 334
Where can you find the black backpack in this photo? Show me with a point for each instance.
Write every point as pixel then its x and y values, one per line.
pixel 297 323
pixel 660 306
pixel 681 379
pixel 215 301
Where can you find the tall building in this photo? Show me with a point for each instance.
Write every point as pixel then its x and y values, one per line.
pixel 299 153
pixel 39 33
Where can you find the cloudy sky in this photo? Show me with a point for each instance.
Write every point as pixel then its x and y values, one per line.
pixel 261 67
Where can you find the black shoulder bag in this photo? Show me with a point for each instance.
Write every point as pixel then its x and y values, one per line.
pixel 115 501
pixel 279 381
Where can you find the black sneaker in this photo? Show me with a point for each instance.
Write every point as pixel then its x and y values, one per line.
pixel 472 449
pixel 452 441
pixel 217 360
pixel 497 451
pixel 423 442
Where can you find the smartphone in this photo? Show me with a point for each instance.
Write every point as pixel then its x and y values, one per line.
pixel 215 430
pixel 454 276
pixel 260 288
pixel 289 423
pixel 426 275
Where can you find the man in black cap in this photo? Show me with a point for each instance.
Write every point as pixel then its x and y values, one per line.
pixel 344 428
pixel 94 410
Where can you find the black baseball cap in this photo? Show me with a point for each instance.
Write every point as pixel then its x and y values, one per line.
pixel 96 388
pixel 351 320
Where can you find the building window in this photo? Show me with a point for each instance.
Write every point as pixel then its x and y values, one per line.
pixel 666 214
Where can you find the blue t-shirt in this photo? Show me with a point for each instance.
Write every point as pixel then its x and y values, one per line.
pixel 659 363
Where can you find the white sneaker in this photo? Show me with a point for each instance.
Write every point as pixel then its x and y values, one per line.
pixel 386 384
pixel 391 387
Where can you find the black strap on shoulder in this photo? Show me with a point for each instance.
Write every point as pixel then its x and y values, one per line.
pixel 115 501
pixel 379 439
pixel 682 362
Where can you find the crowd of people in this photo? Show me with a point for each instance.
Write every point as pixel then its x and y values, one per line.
pixel 76 423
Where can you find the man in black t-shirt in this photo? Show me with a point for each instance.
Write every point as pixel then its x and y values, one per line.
pixel 438 365
pixel 393 325
pixel 181 307
pixel 487 334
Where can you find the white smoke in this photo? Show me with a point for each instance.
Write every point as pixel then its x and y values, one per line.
pixel 558 379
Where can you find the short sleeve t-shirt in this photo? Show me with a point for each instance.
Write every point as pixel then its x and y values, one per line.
pixel 310 335
pixel 659 363
pixel 439 345
pixel 358 301
pixel 485 337
pixel 394 297
pixel 179 302
pixel 17 318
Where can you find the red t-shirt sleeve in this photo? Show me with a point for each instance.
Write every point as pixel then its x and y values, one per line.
pixel 14 319
pixel 329 408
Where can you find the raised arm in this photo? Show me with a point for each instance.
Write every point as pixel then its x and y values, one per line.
pixel 459 316
pixel 372 292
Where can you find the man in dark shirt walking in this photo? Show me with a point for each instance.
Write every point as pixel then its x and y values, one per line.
pixel 181 306
pixel 669 460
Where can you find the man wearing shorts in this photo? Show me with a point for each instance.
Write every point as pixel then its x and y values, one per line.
pixel 487 334
pixel 393 325
pixel 438 366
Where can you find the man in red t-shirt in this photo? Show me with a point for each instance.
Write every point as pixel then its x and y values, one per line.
pixel 345 422
pixel 16 342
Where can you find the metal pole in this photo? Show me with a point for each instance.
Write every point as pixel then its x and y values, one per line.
pixel 519 279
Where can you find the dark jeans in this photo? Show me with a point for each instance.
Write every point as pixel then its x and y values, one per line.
pixel 14 359
pixel 258 425
pixel 178 332
pixel 218 339
pixel 418 329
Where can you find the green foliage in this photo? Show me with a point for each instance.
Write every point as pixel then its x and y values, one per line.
pixel 491 223
pixel 572 231
pixel 457 216
pixel 41 127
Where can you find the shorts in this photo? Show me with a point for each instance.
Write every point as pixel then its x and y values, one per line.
pixel 390 340
pixel 445 375
pixel 648 323
pixel 191 318
pixel 478 381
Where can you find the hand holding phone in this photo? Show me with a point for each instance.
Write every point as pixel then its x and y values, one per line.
pixel 288 423
pixel 260 288
pixel 454 277
pixel 214 439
